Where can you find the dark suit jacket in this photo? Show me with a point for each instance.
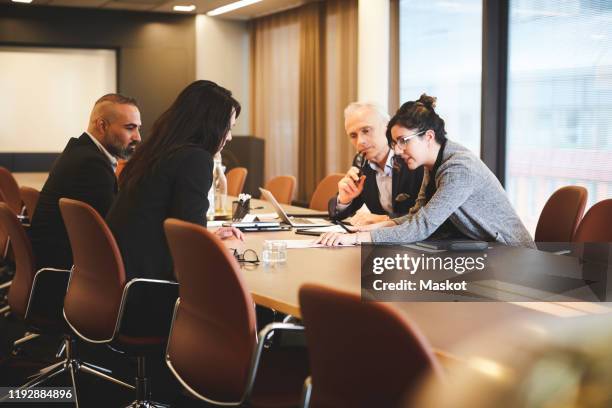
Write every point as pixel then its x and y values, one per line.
pixel 406 184
pixel 82 172
pixel 176 187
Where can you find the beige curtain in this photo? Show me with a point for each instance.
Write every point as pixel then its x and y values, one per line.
pixel 394 98
pixel 303 74
pixel 275 69
pixel 312 99
pixel 341 73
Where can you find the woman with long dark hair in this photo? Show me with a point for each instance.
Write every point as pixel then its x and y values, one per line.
pixel 169 175
pixel 460 198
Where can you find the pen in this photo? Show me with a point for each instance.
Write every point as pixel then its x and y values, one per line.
pixel 313 233
pixel 340 223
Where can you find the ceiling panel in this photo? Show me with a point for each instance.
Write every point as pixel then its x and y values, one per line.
pixel 41 2
pixel 74 3
pixel 145 5
pixel 122 5
pixel 262 8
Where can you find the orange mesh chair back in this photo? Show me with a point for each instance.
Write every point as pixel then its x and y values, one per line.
pixel 282 188
pixel 596 226
pixel 94 295
pixel 10 190
pixel 361 354
pixel 214 330
pixel 19 293
pixel 561 215
pixel 29 196
pixel 235 180
pixel 326 189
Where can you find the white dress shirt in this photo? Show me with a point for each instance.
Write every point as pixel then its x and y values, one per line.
pixel 111 158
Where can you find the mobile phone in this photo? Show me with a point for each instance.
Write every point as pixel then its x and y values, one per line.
pixel 360 163
pixel 457 245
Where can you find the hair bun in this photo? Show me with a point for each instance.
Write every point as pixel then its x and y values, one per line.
pixel 428 101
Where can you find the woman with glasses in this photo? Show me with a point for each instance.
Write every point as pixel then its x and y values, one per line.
pixel 169 176
pixel 460 198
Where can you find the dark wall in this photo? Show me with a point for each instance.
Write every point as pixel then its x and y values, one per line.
pixel 247 151
pixel 156 52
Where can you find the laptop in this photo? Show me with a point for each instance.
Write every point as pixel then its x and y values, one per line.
pixel 293 221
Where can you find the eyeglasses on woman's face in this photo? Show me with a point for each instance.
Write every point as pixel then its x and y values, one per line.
pixel 402 141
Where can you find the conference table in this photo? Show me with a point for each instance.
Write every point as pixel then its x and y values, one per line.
pixel 445 324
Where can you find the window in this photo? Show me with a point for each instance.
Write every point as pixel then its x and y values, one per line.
pixel 559 101
pixel 441 55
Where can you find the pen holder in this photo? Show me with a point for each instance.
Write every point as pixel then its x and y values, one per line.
pixel 240 209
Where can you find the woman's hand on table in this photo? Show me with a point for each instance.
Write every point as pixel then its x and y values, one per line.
pixel 364 218
pixel 229 232
pixel 371 227
pixel 341 238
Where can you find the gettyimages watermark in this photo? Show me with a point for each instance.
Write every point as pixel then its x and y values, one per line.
pixel 555 272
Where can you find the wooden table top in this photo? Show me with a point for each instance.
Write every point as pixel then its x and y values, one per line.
pixel 444 323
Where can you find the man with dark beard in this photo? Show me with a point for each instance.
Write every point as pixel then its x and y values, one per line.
pixel 85 171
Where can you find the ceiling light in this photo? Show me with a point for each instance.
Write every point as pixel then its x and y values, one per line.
pixel 22 1
pixel 188 8
pixel 232 6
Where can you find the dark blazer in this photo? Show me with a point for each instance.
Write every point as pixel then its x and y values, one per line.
pixel 177 187
pixel 405 188
pixel 82 172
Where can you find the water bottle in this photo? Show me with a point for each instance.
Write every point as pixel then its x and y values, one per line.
pixel 210 213
pixel 220 187
pixel 212 203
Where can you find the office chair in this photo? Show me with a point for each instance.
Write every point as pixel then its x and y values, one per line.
pixel 120 166
pixel 213 349
pixel 596 225
pixel 29 196
pixel 10 190
pixel 282 188
pixel 362 354
pixel 35 297
pixel 561 215
pixel 326 189
pixel 235 180
pixel 102 307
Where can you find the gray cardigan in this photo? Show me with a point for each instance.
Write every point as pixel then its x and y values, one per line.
pixel 470 195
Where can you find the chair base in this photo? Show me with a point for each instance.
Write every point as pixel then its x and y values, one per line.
pixel 142 388
pixel 72 366
pixel 5 310
pixel 27 336
pixel 147 404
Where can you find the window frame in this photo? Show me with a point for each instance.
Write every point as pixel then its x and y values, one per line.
pixel 494 83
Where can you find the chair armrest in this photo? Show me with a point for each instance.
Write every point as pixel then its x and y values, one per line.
pixel 306 392
pixel 265 333
pixel 146 300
